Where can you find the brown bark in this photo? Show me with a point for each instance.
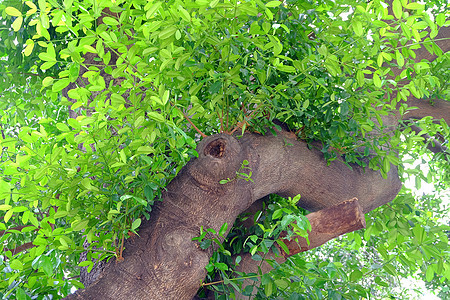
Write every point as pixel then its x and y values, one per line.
pixel 326 224
pixel 165 252
pixel 164 262
pixel 20 248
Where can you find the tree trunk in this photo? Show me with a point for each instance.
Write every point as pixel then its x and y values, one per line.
pixel 164 262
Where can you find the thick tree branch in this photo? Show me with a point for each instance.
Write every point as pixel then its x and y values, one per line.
pixel 433 144
pixel 327 224
pixel 165 250
pixel 438 109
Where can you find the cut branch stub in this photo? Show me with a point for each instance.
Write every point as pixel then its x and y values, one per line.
pixel 327 224
pixel 216 148
pixel 220 156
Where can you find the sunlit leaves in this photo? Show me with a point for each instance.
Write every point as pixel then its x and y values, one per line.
pixel 273 4
pixel 357 27
pixel 397 8
pixel 12 11
pixel 60 84
pixel 97 173
pixel 110 21
pixel 17 23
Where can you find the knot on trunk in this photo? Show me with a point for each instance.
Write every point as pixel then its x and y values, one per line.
pixel 216 148
pixel 219 157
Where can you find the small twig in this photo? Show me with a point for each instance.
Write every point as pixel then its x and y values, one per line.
pixel 211 283
pixel 241 124
pixel 120 258
pixel 19 228
pixel 190 122
pixel 222 281
pixel 221 121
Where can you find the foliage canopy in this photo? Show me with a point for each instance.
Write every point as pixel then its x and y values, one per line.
pixel 86 153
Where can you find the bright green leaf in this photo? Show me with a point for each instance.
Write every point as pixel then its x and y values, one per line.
pixel 60 84
pixel 17 23
pixel 397 8
pixel 110 21
pixel 12 11
pixel 16 264
pixel 273 3
pixel 136 224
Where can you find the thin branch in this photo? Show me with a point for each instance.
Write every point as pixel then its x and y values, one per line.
pixel 19 228
pixel 190 122
pixel 20 248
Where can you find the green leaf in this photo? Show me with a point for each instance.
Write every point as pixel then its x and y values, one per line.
pixel 440 19
pixel 429 274
pixel 397 8
pixel 47 65
pixel 145 150
pixel 21 295
pixel 205 244
pixel 380 282
pixel 167 33
pixel 60 84
pixel 46 56
pixel 358 28
pixel 273 3
pixel 386 165
pixel 399 58
pixel 47 81
pixel 277 214
pixel 5 189
pixel 223 229
pixel 151 11
pixel 89 48
pixel 284 68
pixel 380 59
pixel 17 23
pixel 214 3
pixel 110 21
pixel 281 283
pixel 46 265
pixel 376 80
pixel 184 14
pixel 136 224
pixel 12 11
pixel 8 215
pixel 29 48
pixel 85 263
pixel 16 264
pixel 62 127
pixel 80 225
pixel 419 234
pixel 390 269
pixel 415 6
pixel 156 116
pixel 221 266
pixel 268 288
pixel 283 246
pixel 356 275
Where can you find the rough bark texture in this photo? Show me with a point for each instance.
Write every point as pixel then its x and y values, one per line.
pixel 327 224
pixel 165 253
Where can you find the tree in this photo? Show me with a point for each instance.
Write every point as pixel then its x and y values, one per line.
pixel 142 133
